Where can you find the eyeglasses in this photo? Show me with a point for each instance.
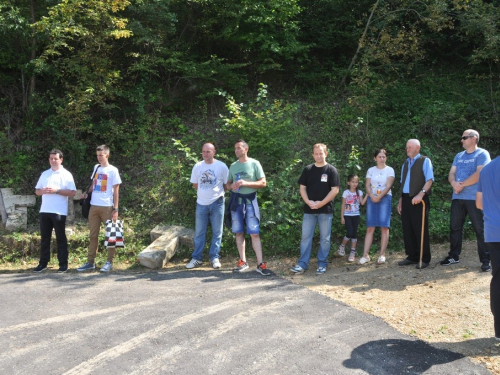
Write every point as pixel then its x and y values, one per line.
pixel 466 137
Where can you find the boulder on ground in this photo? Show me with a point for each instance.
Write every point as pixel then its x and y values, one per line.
pixel 166 239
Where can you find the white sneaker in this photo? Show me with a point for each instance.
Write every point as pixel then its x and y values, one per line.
pixel 352 256
pixel 194 263
pixel 216 263
pixel 297 269
pixel 364 260
pixel 341 250
pixel 107 267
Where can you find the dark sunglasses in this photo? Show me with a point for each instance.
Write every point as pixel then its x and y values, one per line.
pixel 466 137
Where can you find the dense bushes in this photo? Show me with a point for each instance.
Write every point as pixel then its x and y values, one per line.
pixel 155 79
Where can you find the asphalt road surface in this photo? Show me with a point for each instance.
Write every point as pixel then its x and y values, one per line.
pixel 197 322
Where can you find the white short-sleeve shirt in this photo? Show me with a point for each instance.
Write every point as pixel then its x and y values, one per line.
pixel 103 182
pixel 61 179
pixel 378 178
pixel 210 179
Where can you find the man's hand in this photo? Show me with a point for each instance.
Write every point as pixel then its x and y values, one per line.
pixel 315 205
pixel 417 198
pixel 238 184
pixel 457 187
pixel 49 190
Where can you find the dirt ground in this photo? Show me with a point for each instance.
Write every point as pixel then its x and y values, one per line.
pixel 446 306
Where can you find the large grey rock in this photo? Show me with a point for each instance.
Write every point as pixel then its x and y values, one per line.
pixel 14 209
pixel 166 239
pixel 74 208
pixel 185 234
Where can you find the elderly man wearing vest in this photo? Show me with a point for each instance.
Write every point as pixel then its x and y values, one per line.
pixel 416 181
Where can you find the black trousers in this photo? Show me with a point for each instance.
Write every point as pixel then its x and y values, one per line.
pixel 494 250
pixel 351 226
pixel 412 229
pixel 460 208
pixel 49 221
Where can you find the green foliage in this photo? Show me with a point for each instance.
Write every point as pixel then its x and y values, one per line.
pixel 281 209
pixel 270 121
pixel 137 74
pixel 80 36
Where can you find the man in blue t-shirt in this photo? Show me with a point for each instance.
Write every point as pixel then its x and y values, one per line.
pixel 488 200
pixel 463 177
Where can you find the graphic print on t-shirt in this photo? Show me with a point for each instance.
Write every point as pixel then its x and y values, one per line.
pixel 101 183
pixel 207 179
pixel 465 168
pixel 352 204
pixel 324 177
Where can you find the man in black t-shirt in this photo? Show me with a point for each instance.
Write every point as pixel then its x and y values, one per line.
pixel 319 184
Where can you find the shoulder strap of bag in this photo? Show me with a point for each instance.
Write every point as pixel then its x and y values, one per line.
pixel 96 167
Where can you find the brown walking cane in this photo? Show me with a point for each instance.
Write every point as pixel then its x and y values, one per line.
pixel 422 236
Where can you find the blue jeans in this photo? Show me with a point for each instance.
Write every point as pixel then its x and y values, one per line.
pixel 459 209
pixel 215 214
pixel 325 229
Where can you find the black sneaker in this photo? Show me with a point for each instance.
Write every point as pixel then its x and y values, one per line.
pixel 486 266
pixel 448 261
pixel 242 266
pixel 40 268
pixel 62 269
pixel 263 270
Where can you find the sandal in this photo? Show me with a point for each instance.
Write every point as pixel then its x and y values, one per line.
pixel 364 260
pixel 381 259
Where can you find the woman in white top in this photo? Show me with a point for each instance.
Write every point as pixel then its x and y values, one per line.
pixel 379 180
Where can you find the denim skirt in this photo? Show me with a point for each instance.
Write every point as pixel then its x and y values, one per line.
pixel 379 214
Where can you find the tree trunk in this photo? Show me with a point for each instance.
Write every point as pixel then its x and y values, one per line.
pixel 360 43
pixel 33 47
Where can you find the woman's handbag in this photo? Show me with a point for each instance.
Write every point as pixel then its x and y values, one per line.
pixel 85 202
pixel 114 234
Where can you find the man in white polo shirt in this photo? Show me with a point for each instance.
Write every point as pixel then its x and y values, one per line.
pixel 55 185
pixel 209 178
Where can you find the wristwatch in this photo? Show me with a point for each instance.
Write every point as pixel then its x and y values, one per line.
pixel 115 209
pixel 422 191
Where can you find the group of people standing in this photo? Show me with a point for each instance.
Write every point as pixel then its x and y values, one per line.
pixel 319 185
pixel 474 191
pixel 211 178
pixel 416 180
pixel 417 177
pixel 55 185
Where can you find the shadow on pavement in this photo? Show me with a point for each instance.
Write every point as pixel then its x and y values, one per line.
pixel 85 279
pixel 394 356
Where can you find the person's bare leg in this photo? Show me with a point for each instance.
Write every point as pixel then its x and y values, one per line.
pixel 353 244
pixel 257 247
pixel 240 244
pixel 368 241
pixel 384 240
